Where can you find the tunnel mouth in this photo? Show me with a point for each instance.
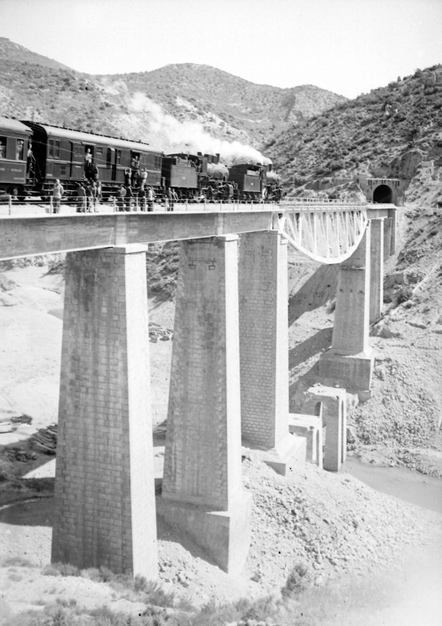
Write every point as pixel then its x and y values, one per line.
pixel 383 195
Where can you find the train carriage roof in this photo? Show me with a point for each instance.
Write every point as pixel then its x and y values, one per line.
pixel 10 125
pixel 90 138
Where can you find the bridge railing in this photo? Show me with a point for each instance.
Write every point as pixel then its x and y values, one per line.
pixel 313 204
pixel 37 206
pixel 313 200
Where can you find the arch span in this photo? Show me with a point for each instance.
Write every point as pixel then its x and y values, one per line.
pixel 328 234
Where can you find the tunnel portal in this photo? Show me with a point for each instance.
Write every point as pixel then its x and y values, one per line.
pixel 383 194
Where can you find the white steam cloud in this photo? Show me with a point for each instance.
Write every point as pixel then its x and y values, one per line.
pixel 191 137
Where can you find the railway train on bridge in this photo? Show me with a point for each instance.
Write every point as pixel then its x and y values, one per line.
pixel 33 156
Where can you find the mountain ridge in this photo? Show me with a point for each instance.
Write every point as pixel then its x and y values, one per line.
pixel 14 51
pixel 386 133
pixel 185 100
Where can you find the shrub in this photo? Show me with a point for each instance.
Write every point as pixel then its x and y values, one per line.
pixel 297 581
pixel 61 569
pixel 56 264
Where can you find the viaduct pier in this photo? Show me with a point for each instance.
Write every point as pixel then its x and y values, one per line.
pixel 229 376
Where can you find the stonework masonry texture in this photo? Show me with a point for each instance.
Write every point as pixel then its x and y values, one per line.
pixel 202 490
pixel 203 456
pixel 263 339
pixel 104 488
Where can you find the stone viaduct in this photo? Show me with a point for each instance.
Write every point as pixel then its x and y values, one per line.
pixel 229 373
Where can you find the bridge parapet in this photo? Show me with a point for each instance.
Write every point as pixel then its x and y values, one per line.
pixel 320 201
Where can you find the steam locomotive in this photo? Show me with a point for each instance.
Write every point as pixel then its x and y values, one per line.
pixel 33 156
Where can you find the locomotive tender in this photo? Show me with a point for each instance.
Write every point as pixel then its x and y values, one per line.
pixel 33 156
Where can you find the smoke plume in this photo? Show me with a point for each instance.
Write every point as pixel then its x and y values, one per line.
pixel 177 136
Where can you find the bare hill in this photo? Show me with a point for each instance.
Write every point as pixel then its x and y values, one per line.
pixel 191 91
pixel 168 107
pixel 11 52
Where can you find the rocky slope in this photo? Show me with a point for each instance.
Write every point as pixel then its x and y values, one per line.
pixel 388 132
pixel 172 107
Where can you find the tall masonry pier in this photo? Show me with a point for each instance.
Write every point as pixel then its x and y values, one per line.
pixel 263 314
pixel 202 488
pixel 104 487
pixel 349 362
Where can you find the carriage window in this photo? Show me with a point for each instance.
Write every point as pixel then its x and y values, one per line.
pixel 109 157
pixel 78 152
pixel 117 157
pixel 19 150
pixel 98 150
pixel 54 149
pixel 2 147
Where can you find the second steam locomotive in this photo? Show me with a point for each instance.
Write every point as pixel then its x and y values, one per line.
pixel 33 156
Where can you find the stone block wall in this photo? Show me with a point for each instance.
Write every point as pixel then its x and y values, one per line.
pixel 203 454
pixel 104 488
pixel 263 302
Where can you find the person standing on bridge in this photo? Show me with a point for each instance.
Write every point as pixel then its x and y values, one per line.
pixel 57 194
pixel 81 199
pixel 170 199
pixel 121 198
pixel 89 197
pixel 150 198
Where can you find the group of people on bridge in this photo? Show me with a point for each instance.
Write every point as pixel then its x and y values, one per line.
pixel 128 197
pixel 87 196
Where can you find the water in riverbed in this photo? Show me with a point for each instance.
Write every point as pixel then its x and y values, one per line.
pixel 400 482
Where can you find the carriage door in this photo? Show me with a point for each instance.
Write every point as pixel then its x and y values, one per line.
pixel 110 164
pixel 77 171
pixel 117 162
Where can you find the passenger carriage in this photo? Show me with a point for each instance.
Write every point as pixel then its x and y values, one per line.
pixel 14 145
pixel 72 156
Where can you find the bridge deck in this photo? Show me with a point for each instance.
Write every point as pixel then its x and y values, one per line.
pixel 27 236
pixel 46 234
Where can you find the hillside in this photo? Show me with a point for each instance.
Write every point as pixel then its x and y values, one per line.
pixel 174 107
pixel 388 132
pixel 192 92
pixel 11 52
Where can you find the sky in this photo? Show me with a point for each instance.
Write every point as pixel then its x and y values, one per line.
pixel 346 46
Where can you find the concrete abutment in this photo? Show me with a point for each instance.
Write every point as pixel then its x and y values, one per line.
pixel 104 486
pixel 334 417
